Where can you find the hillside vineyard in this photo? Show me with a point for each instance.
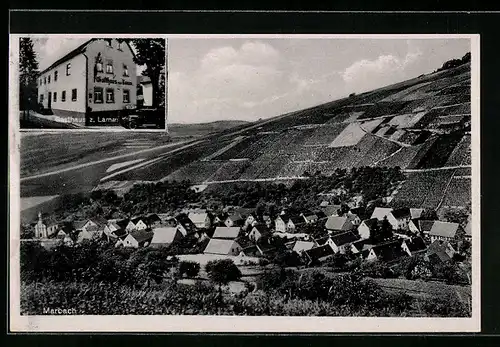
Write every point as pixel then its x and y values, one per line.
pixel 420 125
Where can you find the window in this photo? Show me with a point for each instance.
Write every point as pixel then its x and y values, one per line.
pixel 63 96
pixel 41 81
pixel 41 97
pixel 55 96
pixel 126 96
pixel 109 66
pixel 45 80
pixel 125 70
pixel 110 95
pixel 98 96
pixel 49 78
pixel 120 45
pixel 73 95
pixel 55 76
pixel 68 69
pixel 99 66
pixel 108 42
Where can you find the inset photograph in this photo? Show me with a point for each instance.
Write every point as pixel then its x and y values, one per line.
pixel 78 82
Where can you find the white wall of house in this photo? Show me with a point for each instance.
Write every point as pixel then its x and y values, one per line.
pixel 129 241
pixel 280 225
pixel 364 231
pixel 118 82
pixel 75 80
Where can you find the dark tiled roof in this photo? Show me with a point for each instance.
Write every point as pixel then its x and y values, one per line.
pixel 416 244
pixel 330 210
pixel 344 238
pixel 389 251
pixel 297 219
pixel 141 235
pixel 425 225
pixel 401 213
pixel 370 223
pixel 319 252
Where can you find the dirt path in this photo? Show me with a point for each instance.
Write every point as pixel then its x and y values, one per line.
pixel 436 168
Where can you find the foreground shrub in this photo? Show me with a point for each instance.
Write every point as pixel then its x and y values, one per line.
pixel 190 268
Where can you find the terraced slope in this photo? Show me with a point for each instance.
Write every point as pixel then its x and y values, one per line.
pixel 420 125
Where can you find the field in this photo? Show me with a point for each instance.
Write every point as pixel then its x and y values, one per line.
pixel 424 289
pixel 458 193
pixel 42 152
pixel 437 155
pixel 423 189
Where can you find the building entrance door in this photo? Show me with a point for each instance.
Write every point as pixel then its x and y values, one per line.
pixel 49 101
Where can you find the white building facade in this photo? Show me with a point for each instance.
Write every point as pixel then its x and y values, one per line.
pixel 92 84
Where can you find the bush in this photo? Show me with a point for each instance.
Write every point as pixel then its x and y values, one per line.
pixel 190 268
pixel 222 271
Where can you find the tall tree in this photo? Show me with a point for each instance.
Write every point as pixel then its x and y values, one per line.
pixel 151 53
pixel 28 72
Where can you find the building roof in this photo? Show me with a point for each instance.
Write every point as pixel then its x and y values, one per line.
pixel 381 212
pixel 100 221
pixel 303 246
pixel 78 224
pixel 389 251
pixel 218 246
pixel 444 229
pixel 153 218
pixel 330 210
pixel 344 238
pixel 310 217
pixel 236 217
pixel 415 244
pixel 425 225
pixel 401 213
pixel 320 214
pixel 468 228
pixel 262 229
pixel 164 235
pixel 184 220
pixel 136 220
pixel 143 79
pixel 440 250
pixel 338 223
pixel 252 251
pixel 416 213
pixel 226 232
pixel 296 219
pixel 75 52
pixel 198 217
pixel 141 235
pixel 266 248
pixel 370 223
pixel 319 252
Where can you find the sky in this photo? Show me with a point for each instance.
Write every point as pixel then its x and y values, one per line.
pixel 51 48
pixel 247 79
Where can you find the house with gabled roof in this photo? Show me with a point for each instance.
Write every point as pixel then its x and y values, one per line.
pixel 318 254
pixel 439 251
pixel 90 232
pixel 331 210
pixel 415 245
pixel 387 252
pixel 335 224
pixel 184 224
pixel 294 222
pixel 229 233
pixel 309 217
pixel 399 218
pixel 366 228
pixel 353 218
pixel 223 247
pixel 235 220
pixel 280 223
pixel 258 232
pixel 444 231
pixel 341 242
pixel 138 238
pixel 201 220
pixel 302 246
pixel 381 212
pixel 165 236
pixel 152 220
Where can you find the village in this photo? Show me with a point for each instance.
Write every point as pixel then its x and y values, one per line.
pixel 305 238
